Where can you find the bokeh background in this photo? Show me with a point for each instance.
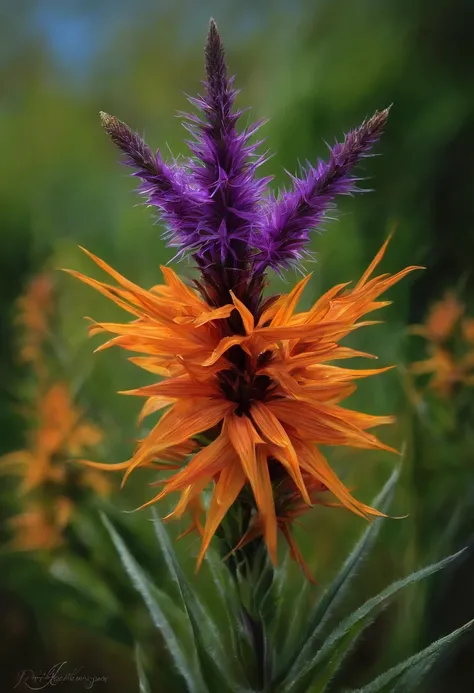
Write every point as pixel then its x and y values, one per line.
pixel 315 69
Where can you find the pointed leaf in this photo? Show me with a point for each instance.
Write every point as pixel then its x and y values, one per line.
pixel 226 593
pixel 186 663
pixel 143 684
pixel 76 572
pixel 333 596
pixel 206 634
pixel 412 667
pixel 338 589
pixel 311 660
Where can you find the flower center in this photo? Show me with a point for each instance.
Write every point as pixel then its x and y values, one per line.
pixel 242 384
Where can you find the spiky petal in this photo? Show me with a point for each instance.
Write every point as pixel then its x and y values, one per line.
pixel 168 188
pixel 294 214
pixel 263 419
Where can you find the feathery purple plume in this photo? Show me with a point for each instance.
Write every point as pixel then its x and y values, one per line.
pixel 217 209
pixel 168 188
pixel 290 218
pixel 225 165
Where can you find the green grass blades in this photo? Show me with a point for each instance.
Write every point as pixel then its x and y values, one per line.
pixel 217 650
pixel 143 683
pixel 410 674
pixel 211 655
pixel 315 667
pixel 166 617
pixel 303 632
pixel 205 656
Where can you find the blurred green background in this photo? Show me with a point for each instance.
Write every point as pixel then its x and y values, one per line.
pixel 315 69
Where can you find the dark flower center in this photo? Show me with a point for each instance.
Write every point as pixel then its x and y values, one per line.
pixel 241 384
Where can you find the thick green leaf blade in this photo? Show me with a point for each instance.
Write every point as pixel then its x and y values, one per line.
pixel 79 574
pixel 338 589
pixel 187 664
pixel 205 631
pixel 225 592
pixel 309 660
pixel 410 673
pixel 334 595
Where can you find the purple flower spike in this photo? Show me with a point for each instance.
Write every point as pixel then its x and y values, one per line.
pixel 168 188
pixel 290 218
pixel 216 208
pixel 225 165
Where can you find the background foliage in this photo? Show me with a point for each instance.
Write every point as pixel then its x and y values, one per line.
pixel 315 69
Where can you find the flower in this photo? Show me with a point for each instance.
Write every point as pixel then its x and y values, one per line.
pixel 442 319
pixel 448 365
pixel 216 208
pixel 49 482
pixel 36 529
pixel 34 311
pixel 261 397
pixel 59 434
pixel 250 389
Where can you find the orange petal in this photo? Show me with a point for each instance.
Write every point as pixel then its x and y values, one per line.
pixel 245 314
pixel 269 425
pixel 209 461
pixel 266 506
pixel 228 487
pixel 183 292
pixel 154 404
pixel 110 292
pixel 370 269
pixel 289 302
pixel 244 438
pixel 118 466
pixel 273 431
pixel 176 388
pixel 314 462
pixel 322 304
pixel 296 553
pixel 224 345
pixel 216 314
pixel 184 420
pixel 150 364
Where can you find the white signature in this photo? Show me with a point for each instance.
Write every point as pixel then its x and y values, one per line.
pixel 38 680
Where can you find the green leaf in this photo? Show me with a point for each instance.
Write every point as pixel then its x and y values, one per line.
pixel 334 595
pixel 79 574
pixel 158 603
pixel 209 640
pixel 227 601
pixel 340 585
pixel 144 686
pixel 410 673
pixel 341 639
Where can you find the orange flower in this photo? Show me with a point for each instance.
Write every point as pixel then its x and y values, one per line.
pixel 447 368
pixel 468 330
pixel 35 308
pixel 59 434
pixel 442 319
pixel 445 372
pixel 35 530
pixel 262 396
